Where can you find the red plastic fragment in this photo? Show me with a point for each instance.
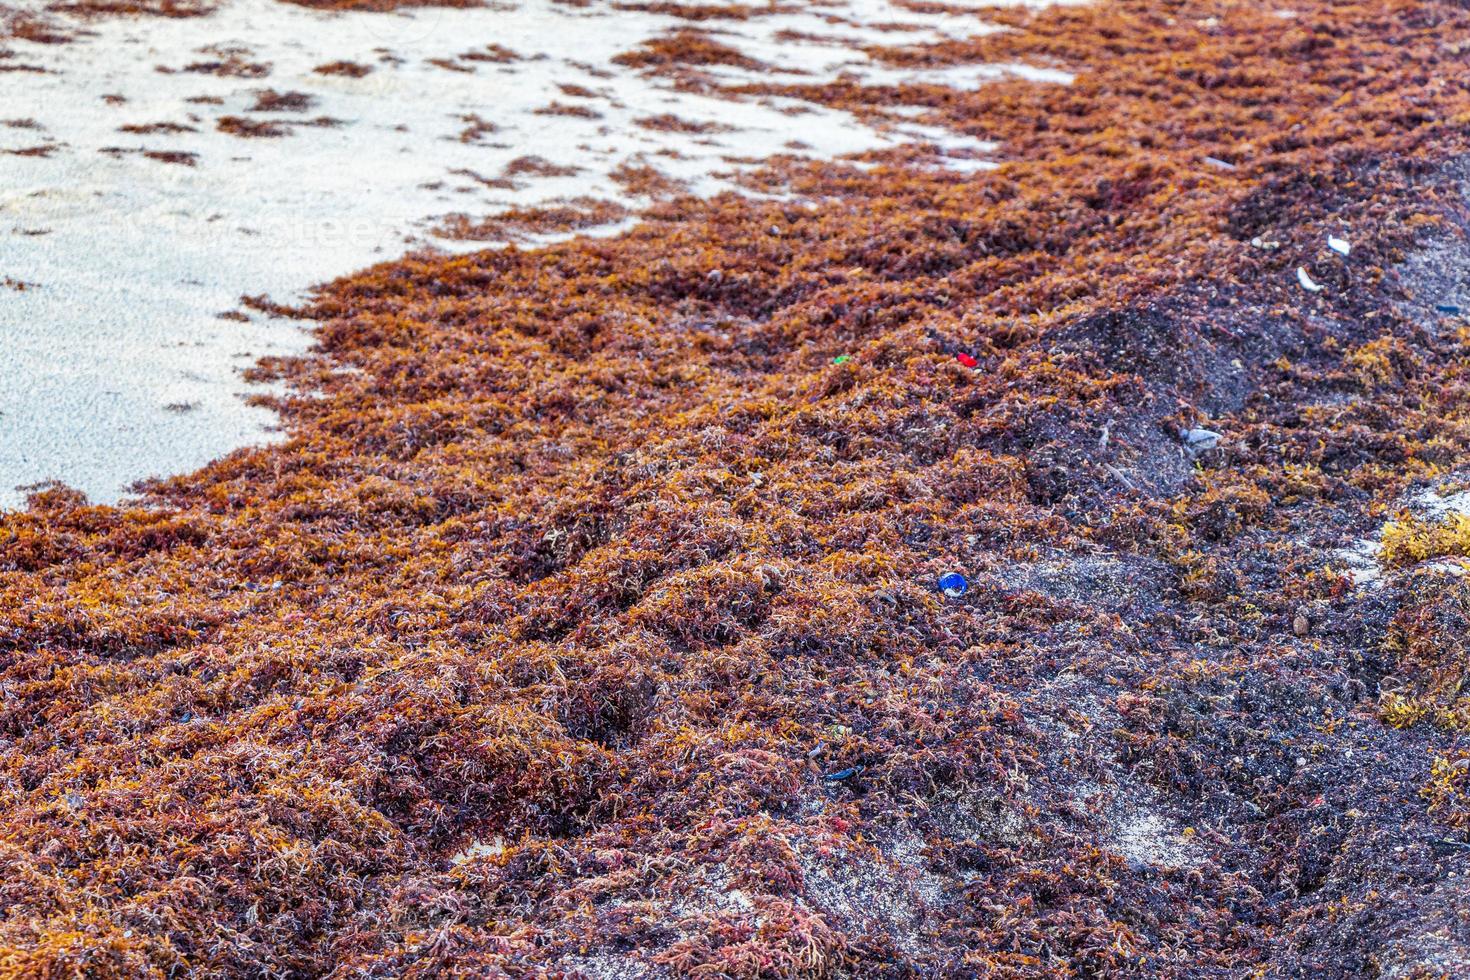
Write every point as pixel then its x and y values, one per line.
pixel 966 360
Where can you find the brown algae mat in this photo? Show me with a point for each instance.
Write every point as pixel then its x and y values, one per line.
pixel 587 624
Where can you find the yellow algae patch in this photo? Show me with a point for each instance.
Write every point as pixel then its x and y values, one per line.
pixel 1410 540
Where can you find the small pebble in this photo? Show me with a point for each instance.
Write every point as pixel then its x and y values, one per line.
pixel 953 584
pixel 1301 624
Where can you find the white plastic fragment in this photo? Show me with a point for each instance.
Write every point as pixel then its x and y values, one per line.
pixel 1306 281
pixel 1219 164
pixel 1339 245
pixel 1200 440
pixel 1260 242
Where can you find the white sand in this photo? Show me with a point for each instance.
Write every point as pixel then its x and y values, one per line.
pixel 116 365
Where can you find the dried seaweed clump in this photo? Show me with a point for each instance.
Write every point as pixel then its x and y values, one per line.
pixel 251 128
pixel 667 122
pixel 685 48
pixel 518 224
pixel 348 69
pixel 575 110
pixel 703 11
pixel 143 8
pixel 158 128
pixel 381 6
pixel 269 100
pixel 529 166
pixel 225 63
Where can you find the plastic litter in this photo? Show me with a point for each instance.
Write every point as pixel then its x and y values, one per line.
pixel 967 360
pixel 1339 245
pixel 1306 281
pixel 1200 440
pixel 953 584
pixel 841 359
pixel 1447 308
pixel 1219 164
pixel 843 774
pixel 1260 242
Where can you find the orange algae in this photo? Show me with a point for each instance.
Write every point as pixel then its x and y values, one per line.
pixel 527 654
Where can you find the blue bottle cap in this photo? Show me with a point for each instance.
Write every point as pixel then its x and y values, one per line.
pixel 953 584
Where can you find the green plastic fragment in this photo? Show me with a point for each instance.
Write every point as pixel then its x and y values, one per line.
pixel 841 359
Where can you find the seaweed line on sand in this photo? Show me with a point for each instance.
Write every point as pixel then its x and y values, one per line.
pixel 538 647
